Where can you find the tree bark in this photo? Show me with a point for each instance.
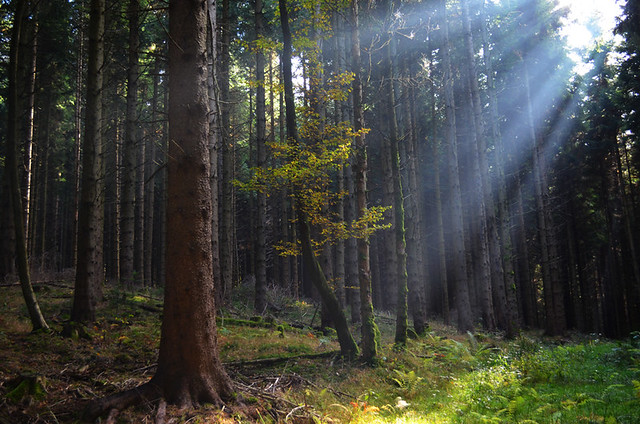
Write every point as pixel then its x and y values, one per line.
pixel 189 369
pixel 89 269
pixel 260 303
pixel 128 191
pixel 22 262
pixel 369 329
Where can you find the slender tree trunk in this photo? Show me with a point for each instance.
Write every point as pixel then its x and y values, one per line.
pixel 226 239
pixel 502 221
pixel 554 306
pixel 260 303
pixel 370 333
pixel 348 346
pixel 458 259
pixel 89 269
pixel 215 141
pixel 400 245
pixel 487 234
pixel 37 319
pixel 128 191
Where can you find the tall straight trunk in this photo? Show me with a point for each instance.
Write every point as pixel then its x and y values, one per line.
pixel 400 245
pixel 348 346
pixel 458 254
pixel 415 254
pixel 485 218
pixel 128 191
pixel 215 140
pixel 226 236
pixel 507 282
pixel 89 269
pixel 260 302
pixel 369 329
pixel 35 315
pixel 30 105
pixel 149 196
pixel 553 302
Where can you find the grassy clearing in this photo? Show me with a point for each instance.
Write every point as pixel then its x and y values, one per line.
pixel 441 378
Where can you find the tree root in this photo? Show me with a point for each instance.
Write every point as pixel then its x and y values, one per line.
pixel 120 401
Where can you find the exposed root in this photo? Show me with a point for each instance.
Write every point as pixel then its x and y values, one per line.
pixel 120 401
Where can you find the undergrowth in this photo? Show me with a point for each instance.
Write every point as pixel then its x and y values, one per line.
pixel 443 377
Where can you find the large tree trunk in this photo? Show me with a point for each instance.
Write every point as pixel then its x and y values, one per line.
pixel 189 369
pixel 37 319
pixel 89 269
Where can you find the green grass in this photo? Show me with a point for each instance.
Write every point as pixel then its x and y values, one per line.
pixel 442 377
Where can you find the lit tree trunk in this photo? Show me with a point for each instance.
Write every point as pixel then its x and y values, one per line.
pixel 89 269
pixel 128 191
pixel 458 258
pixel 215 141
pixel 369 329
pixel 149 196
pixel 37 319
pixel 502 221
pixel 415 254
pixel 400 245
pixel 481 192
pixel 260 303
pixel 553 302
pixel 348 346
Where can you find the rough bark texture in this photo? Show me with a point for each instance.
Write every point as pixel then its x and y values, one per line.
pixel 89 269
pixel 189 369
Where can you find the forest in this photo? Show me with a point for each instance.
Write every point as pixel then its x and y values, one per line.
pixel 414 211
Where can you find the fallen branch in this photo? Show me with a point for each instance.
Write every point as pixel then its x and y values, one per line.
pixel 280 359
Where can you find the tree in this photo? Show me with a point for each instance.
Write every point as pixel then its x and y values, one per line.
pixel 348 346
pixel 128 196
pixel 369 329
pixel 458 247
pixel 37 319
pixel 89 267
pixel 189 369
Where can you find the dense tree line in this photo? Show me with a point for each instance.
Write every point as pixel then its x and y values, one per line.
pixel 437 159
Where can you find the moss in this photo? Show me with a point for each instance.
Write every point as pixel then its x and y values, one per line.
pixel 27 387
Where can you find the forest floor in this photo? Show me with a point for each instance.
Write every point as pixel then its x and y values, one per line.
pixel 286 371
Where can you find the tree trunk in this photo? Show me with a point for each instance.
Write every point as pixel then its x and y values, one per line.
pixel 37 319
pixel 189 369
pixel 370 333
pixel 260 303
pixel 226 239
pixel 458 259
pixel 400 245
pixel 348 346
pixel 89 269
pixel 128 191
pixel 553 302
